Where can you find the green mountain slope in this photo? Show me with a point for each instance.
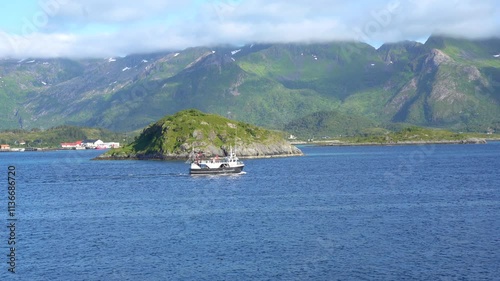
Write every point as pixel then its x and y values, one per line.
pixel 335 70
pixel 216 83
pixel 332 124
pixel 446 82
pixel 451 88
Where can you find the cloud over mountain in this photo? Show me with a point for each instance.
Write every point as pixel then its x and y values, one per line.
pixel 96 28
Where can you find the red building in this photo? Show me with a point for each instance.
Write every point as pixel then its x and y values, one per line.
pixel 71 144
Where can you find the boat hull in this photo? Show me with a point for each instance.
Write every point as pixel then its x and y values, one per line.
pixel 216 171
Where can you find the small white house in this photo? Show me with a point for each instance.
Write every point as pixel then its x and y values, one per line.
pixel 92 143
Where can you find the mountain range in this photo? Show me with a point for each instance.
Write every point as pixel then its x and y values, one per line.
pixel 445 82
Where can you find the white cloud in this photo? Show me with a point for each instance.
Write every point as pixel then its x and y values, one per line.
pixel 119 11
pixel 109 28
pixel 37 45
pixel 472 19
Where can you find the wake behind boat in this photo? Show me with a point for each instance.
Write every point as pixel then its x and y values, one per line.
pixel 226 165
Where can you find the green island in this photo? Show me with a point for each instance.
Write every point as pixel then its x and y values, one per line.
pixel 177 136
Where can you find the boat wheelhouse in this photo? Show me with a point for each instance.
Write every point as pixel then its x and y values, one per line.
pixel 229 164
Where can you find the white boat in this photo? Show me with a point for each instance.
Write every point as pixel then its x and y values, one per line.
pixel 216 165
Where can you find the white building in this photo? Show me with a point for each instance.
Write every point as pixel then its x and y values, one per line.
pixel 92 144
pixel 99 144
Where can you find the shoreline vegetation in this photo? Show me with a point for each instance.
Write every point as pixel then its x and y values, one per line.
pixel 294 143
pixel 175 137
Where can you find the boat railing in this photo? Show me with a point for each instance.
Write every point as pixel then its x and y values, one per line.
pixel 220 160
pixel 211 161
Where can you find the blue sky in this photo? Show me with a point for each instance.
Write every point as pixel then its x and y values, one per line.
pixel 93 28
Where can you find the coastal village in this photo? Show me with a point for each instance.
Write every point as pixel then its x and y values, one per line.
pixel 89 144
pixel 76 145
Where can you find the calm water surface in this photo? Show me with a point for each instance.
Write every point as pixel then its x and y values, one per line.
pixel 338 213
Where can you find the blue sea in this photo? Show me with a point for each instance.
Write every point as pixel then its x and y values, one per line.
pixel 338 213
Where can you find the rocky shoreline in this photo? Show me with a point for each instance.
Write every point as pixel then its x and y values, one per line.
pixel 256 150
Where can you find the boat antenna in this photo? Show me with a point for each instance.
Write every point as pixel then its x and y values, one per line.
pixel 235 138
